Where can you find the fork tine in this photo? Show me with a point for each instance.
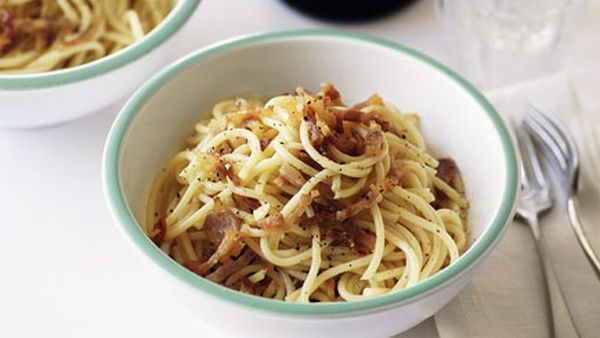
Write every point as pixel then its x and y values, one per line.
pixel 525 177
pixel 559 126
pixel 560 133
pixel 553 126
pixel 562 129
pixel 532 169
pixel 547 140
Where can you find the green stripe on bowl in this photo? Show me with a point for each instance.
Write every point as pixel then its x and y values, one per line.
pixel 170 25
pixel 120 210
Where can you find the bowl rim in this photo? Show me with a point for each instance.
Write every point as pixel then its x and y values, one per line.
pixel 129 227
pixel 179 15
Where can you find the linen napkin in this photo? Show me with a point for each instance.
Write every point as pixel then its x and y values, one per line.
pixel 507 297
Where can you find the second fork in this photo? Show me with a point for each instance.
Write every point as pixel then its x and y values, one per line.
pixel 536 199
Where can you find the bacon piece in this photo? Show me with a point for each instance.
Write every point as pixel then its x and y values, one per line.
pixel 317 139
pixel 223 228
pixel 225 270
pixel 447 170
pixel 329 91
pixel 355 115
pixel 326 195
pixel 329 288
pixel 291 175
pixel 223 148
pixel 367 198
pixel 304 157
pixel 364 242
pixel 198 268
pixel 247 204
pixel 285 185
pixel 217 225
pixel 349 142
pixel 385 125
pixel 6 28
pixel 374 140
pixel 226 170
pixel 351 236
pixel 321 108
pixel 247 287
pixel 441 200
pixel 271 222
pixel 321 219
pixel 158 232
pixel 303 203
pixel 351 114
pixel 309 113
pixel 264 143
pixel 343 233
pixel 391 180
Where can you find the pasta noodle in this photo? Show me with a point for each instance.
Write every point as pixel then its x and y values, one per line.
pixel 45 35
pixel 304 199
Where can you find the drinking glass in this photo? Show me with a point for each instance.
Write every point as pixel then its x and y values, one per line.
pixel 498 42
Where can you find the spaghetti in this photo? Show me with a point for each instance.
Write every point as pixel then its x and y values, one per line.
pixel 304 199
pixel 46 35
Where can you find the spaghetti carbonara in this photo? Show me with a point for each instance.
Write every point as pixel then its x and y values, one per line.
pixel 304 199
pixel 45 35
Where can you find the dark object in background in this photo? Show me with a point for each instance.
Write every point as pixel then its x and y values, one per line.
pixel 348 10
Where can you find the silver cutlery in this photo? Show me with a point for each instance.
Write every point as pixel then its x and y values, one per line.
pixel 558 145
pixel 534 201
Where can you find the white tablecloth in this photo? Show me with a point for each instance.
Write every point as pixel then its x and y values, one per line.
pixel 65 271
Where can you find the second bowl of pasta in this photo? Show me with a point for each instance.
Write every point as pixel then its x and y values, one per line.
pixel 63 59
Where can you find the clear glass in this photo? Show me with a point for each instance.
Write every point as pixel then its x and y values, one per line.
pixel 498 42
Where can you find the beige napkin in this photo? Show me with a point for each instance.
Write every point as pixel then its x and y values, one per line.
pixel 507 296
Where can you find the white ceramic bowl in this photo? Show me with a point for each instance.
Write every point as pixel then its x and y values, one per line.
pixel 35 100
pixel 456 119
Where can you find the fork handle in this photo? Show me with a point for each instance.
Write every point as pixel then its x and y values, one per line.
pixel 562 322
pixel 575 221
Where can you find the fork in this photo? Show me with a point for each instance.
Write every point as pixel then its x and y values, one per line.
pixel 561 152
pixel 535 199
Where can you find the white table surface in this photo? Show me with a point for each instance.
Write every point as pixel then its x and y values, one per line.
pixel 65 271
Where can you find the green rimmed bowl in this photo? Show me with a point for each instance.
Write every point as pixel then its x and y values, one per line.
pixel 41 99
pixel 456 119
